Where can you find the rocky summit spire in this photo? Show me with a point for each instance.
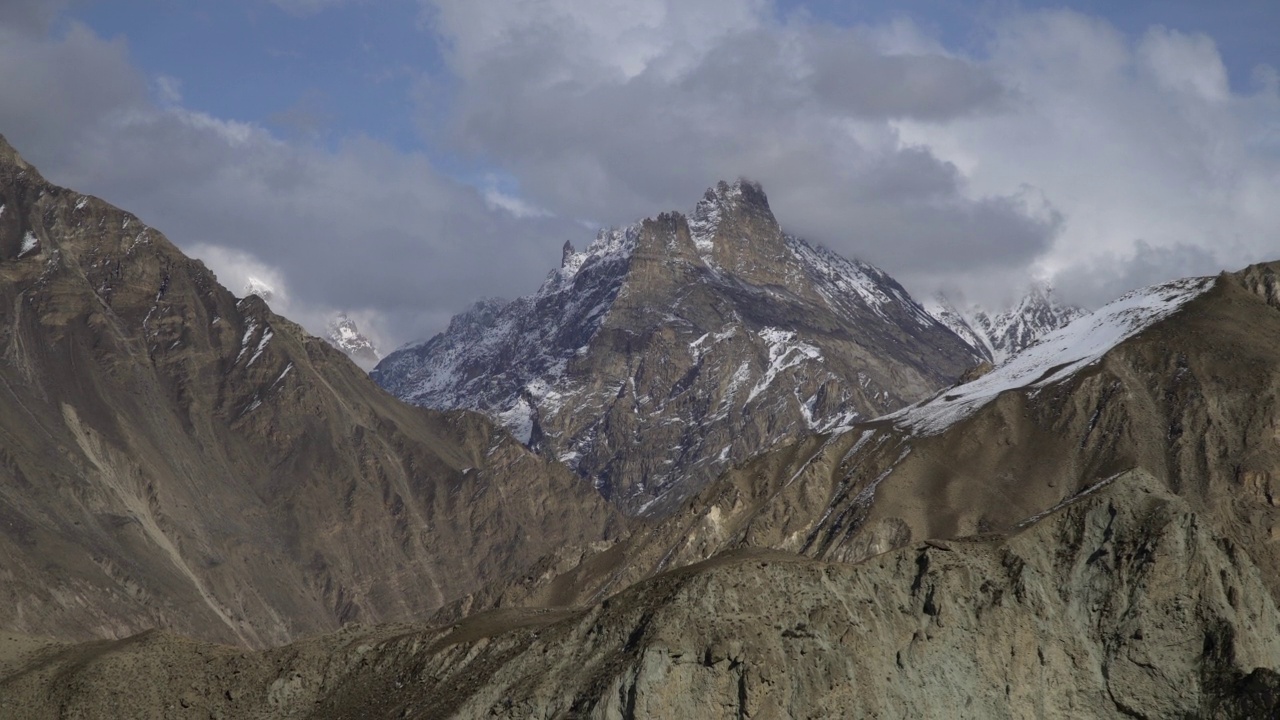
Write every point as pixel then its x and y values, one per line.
pixel 10 157
pixel 566 252
pixel 669 350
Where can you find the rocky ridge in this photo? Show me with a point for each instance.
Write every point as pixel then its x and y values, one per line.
pixel 1175 381
pixel 999 336
pixel 670 350
pixel 172 456
pixel 341 331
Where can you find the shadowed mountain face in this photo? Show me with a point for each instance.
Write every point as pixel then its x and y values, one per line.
pixel 173 457
pixel 668 351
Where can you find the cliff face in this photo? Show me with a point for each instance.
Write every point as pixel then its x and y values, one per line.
pixel 668 351
pixel 172 456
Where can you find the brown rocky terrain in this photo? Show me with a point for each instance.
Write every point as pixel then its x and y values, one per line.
pixel 1124 603
pixel 173 457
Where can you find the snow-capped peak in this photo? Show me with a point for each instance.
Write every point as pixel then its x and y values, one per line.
pixel 259 287
pixel 346 336
pixel 1058 355
pixel 1001 335
pixel 610 245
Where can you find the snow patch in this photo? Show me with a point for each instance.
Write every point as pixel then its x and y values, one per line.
pixel 1056 357
pixel 29 243
pixel 518 420
pixel 262 345
pixel 785 352
pixel 249 330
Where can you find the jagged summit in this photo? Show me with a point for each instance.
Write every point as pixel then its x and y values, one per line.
pixel 259 287
pixel 667 350
pixel 343 333
pixel 998 336
pixel 9 156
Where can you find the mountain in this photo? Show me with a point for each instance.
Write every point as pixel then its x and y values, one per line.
pixel 999 336
pixel 341 331
pixel 259 287
pixel 1177 381
pixel 668 351
pixel 172 456
pixel 1086 531
pixel 346 336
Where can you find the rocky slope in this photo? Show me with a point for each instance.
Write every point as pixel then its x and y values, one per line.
pixel 1123 603
pixel 668 351
pixel 173 457
pixel 1178 381
pixel 999 336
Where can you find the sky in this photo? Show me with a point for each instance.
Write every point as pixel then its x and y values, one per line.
pixel 398 159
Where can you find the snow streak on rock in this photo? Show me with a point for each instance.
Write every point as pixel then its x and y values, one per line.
pixel 1057 356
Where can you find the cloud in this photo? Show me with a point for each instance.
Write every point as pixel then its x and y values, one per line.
pixel 612 113
pixel 1057 142
pixel 1110 275
pixel 1059 148
pixel 1156 164
pixel 362 227
pixel 31 15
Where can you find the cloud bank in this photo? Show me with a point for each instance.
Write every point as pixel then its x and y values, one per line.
pixel 1056 148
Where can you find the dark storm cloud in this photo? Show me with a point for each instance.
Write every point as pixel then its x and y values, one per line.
pixel 51 89
pixel 30 15
pixel 1110 276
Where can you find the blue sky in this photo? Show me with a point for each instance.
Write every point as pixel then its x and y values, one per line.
pixel 345 69
pixel 397 159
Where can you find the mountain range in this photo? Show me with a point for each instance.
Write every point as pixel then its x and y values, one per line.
pixel 207 512
pixel 1001 335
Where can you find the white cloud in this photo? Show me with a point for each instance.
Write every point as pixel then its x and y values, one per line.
pixel 1141 145
pixel 1062 149
pixel 1061 143
pixel 363 228
pixel 1185 63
